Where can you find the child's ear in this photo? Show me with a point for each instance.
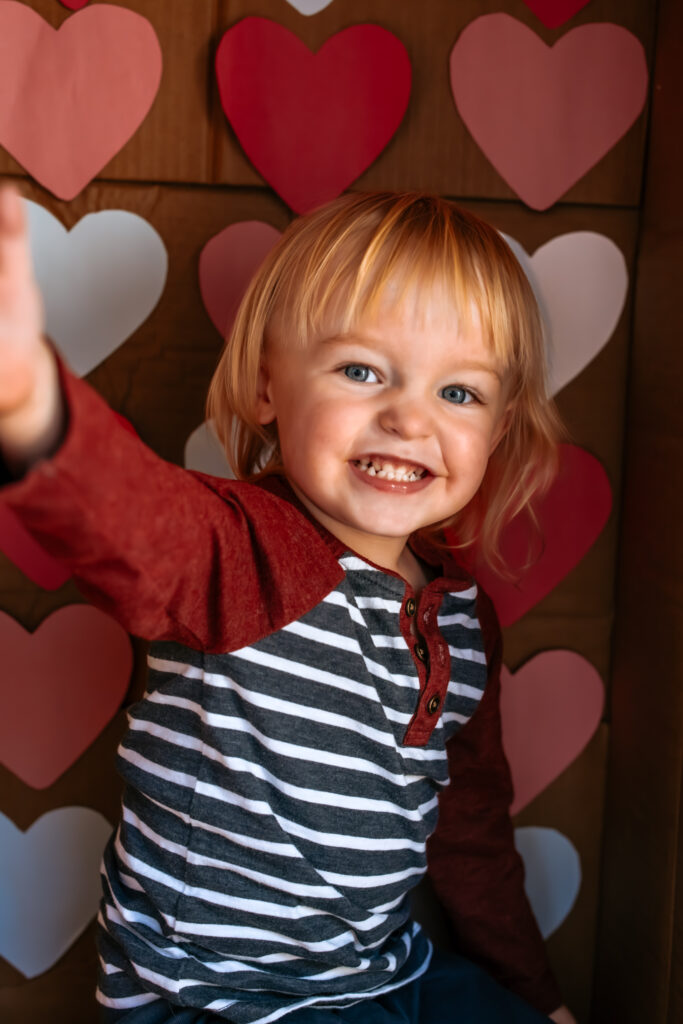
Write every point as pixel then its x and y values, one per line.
pixel 265 406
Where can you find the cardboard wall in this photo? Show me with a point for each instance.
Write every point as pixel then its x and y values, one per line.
pixel 185 172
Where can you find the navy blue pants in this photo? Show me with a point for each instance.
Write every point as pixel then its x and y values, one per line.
pixel 452 991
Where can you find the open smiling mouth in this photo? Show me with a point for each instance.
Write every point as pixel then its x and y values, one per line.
pixel 397 472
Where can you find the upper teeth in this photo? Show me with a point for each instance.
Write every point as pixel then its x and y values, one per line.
pixel 389 470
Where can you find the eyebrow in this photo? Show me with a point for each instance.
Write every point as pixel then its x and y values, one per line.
pixel 361 339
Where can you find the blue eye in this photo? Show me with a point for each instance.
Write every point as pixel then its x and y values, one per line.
pixel 360 373
pixel 457 395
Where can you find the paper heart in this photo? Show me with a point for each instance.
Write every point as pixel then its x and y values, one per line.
pixel 74 5
pixel 554 13
pixel 571 516
pixel 308 7
pixel 99 282
pixel 204 453
pixel 550 709
pixel 70 98
pixel 50 882
pixel 311 123
pixel 544 129
pixel 226 265
pixel 580 280
pixel 26 553
pixel 65 682
pixel 552 874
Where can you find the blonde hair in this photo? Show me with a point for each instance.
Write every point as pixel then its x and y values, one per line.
pixel 338 264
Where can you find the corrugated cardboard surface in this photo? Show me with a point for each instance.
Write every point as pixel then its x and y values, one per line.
pixel 186 174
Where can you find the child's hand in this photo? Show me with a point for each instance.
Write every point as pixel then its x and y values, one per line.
pixel 563 1016
pixel 30 405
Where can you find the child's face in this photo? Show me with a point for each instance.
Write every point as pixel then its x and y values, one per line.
pixel 388 429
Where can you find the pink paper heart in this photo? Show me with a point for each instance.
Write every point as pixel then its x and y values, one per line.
pixel 554 13
pixel 227 264
pixel 571 517
pixel 550 708
pixel 543 129
pixel 311 123
pixel 71 98
pixel 65 683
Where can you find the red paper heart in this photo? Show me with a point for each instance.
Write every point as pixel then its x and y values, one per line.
pixel 71 98
pixel 63 684
pixel 227 264
pixel 543 129
pixel 311 123
pixel 554 13
pixel 550 709
pixel 74 5
pixel 571 517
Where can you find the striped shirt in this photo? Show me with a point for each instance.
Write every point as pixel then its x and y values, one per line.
pixel 274 822
pixel 284 770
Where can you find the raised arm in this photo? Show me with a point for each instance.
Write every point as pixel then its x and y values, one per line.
pixel 171 554
pixel 31 410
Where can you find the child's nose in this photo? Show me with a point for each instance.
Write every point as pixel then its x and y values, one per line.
pixel 406 417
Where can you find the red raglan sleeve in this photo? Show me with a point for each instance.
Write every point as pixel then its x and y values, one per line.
pixel 473 864
pixel 171 554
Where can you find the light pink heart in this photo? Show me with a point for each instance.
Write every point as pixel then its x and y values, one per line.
pixel 62 685
pixel 550 708
pixel 227 263
pixel 545 115
pixel 70 98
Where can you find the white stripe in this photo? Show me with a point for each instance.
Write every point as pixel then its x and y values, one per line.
pixel 459 619
pixel 291 750
pixel 354 564
pixel 338 598
pixel 379 603
pixel 464 595
pixel 467 654
pixel 127 1003
pixel 369 881
pixel 396 642
pixel 277 883
pixel 465 690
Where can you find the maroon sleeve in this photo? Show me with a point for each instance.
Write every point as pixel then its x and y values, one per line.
pixel 171 554
pixel 474 866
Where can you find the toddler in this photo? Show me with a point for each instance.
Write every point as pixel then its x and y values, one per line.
pixel 321 724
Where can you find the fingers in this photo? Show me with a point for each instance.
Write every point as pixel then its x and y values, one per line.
pixel 15 257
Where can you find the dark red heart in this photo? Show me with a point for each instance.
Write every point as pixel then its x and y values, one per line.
pixel 312 122
pixel 571 516
pixel 555 12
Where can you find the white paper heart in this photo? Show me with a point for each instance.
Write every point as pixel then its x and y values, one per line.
pixel 50 884
pixel 580 281
pixel 553 874
pixel 99 281
pixel 204 452
pixel 309 7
